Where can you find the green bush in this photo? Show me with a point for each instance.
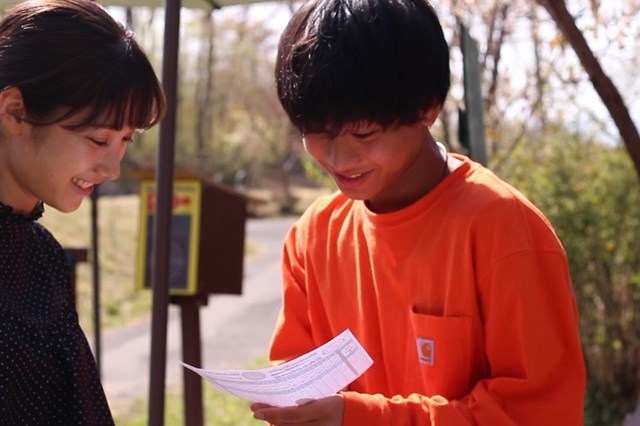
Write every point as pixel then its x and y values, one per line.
pixel 591 194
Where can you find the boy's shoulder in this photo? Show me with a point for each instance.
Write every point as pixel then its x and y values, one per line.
pixel 492 206
pixel 327 206
pixel 481 185
pixel 471 194
pixel 472 187
pixel 318 216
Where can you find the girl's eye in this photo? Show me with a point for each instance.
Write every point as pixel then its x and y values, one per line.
pixel 98 141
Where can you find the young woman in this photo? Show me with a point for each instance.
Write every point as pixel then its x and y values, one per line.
pixel 74 88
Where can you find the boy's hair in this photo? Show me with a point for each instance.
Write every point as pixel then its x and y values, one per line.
pixel 342 61
pixel 71 56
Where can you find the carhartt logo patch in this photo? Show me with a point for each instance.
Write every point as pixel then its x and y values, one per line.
pixel 426 350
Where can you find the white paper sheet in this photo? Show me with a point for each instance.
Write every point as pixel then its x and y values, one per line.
pixel 316 374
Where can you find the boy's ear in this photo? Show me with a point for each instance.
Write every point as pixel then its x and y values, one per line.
pixel 12 109
pixel 429 116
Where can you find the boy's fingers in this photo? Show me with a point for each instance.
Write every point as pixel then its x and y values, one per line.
pixel 258 406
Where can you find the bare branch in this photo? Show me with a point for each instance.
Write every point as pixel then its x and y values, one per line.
pixel 601 82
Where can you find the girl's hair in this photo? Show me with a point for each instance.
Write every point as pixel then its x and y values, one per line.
pixel 342 61
pixel 69 57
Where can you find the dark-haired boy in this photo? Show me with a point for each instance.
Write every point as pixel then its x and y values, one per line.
pixel 455 284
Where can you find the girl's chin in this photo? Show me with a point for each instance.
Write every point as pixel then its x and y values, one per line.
pixel 66 207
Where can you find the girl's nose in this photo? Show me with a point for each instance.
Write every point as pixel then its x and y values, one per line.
pixel 110 164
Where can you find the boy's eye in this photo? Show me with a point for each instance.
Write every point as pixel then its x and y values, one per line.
pixel 363 130
pixel 363 134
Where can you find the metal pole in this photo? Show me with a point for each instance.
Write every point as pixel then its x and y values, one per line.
pixel 95 267
pixel 473 97
pixel 162 225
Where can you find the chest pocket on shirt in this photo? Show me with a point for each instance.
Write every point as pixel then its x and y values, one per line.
pixel 443 351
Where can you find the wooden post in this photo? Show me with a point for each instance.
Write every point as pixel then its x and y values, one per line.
pixel 191 354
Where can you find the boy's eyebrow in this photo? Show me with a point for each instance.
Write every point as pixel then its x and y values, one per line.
pixel 332 131
pixel 363 123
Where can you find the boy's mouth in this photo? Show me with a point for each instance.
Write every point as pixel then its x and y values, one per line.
pixel 350 180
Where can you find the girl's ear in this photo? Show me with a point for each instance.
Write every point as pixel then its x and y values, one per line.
pixel 12 110
pixel 429 116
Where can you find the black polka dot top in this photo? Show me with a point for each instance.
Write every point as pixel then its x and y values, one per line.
pixel 48 375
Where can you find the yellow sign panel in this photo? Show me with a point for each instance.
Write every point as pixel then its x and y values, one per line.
pixel 185 232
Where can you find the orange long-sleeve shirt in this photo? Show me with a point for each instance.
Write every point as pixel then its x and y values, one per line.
pixel 463 300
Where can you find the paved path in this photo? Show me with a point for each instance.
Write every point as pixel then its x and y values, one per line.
pixel 234 329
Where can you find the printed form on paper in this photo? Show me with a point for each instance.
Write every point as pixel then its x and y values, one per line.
pixel 319 373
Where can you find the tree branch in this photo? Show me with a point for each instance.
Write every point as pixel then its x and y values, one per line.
pixel 601 82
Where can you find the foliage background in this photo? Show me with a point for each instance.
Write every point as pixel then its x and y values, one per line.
pixel 546 130
pixel 590 193
pixel 547 133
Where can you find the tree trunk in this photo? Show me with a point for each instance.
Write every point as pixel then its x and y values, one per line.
pixel 601 82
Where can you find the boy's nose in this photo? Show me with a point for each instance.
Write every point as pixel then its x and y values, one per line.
pixel 342 154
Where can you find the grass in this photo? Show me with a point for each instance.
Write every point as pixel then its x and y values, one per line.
pixel 219 409
pixel 122 302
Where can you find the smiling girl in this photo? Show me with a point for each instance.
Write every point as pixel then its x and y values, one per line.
pixel 74 88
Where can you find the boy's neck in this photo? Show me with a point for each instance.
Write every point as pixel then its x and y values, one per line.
pixel 431 168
